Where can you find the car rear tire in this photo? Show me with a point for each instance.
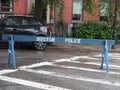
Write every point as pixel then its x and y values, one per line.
pixel 40 46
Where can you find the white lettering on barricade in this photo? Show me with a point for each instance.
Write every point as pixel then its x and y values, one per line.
pixel 45 39
pixel 69 40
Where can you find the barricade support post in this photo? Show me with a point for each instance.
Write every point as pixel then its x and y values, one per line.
pixel 105 56
pixel 11 51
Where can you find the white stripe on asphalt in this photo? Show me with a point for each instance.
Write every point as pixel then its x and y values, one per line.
pixel 49 63
pixel 92 63
pixel 30 83
pixel 71 67
pixel 86 79
pixel 111 56
pixel 7 71
pixel 72 59
pixel 31 66
pixel 35 65
pixel 77 57
pixel 55 61
pixel 84 69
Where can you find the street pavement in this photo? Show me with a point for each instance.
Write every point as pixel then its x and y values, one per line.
pixel 61 67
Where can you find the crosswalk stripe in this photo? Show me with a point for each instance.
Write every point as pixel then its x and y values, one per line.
pixel 84 69
pixel 31 83
pixel 35 65
pixel 86 79
pixel 115 56
pixel 7 71
pixel 92 63
pixel 76 57
pixel 72 59
pixel 68 67
pixel 53 61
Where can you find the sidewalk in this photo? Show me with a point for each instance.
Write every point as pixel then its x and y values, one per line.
pixel 83 47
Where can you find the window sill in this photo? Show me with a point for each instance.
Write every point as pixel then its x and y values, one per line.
pixel 77 21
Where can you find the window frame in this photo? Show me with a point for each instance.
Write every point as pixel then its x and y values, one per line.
pixel 81 15
pixel 5 8
pixel 102 17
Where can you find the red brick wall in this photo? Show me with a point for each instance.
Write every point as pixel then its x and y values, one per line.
pixel 20 7
pixel 67 11
pixel 94 17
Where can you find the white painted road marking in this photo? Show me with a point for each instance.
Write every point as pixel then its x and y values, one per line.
pixel 92 63
pixel 115 56
pixel 53 63
pixel 68 67
pixel 72 59
pixel 31 83
pixel 86 79
pixel 7 71
pixel 35 65
pixel 84 69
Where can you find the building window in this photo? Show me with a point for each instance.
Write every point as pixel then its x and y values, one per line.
pixel 77 10
pixel 103 10
pixel 6 5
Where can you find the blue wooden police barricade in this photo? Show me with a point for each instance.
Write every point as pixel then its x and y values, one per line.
pixel 26 38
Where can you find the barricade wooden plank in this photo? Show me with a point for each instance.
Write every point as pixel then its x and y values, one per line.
pixel 59 39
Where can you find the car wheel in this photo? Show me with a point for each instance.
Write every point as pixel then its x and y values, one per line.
pixel 40 45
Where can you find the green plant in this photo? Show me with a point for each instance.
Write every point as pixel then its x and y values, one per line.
pixel 32 9
pixel 118 34
pixel 93 30
pixel 60 13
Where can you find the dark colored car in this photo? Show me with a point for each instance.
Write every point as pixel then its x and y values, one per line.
pixel 24 25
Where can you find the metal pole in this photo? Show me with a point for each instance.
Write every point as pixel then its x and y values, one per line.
pixel 114 23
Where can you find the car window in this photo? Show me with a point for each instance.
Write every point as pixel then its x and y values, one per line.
pixel 25 22
pixel 30 21
pixel 12 21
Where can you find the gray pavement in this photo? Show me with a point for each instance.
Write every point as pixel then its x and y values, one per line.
pixel 60 67
pixel 84 48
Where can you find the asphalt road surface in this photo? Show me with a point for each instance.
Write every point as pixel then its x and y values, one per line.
pixel 59 68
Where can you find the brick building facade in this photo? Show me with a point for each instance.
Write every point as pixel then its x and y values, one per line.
pixel 68 9
pixel 16 7
pixel 72 10
pixel 22 7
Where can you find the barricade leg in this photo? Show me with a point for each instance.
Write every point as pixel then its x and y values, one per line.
pixel 105 56
pixel 13 57
pixel 11 51
pixel 107 63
